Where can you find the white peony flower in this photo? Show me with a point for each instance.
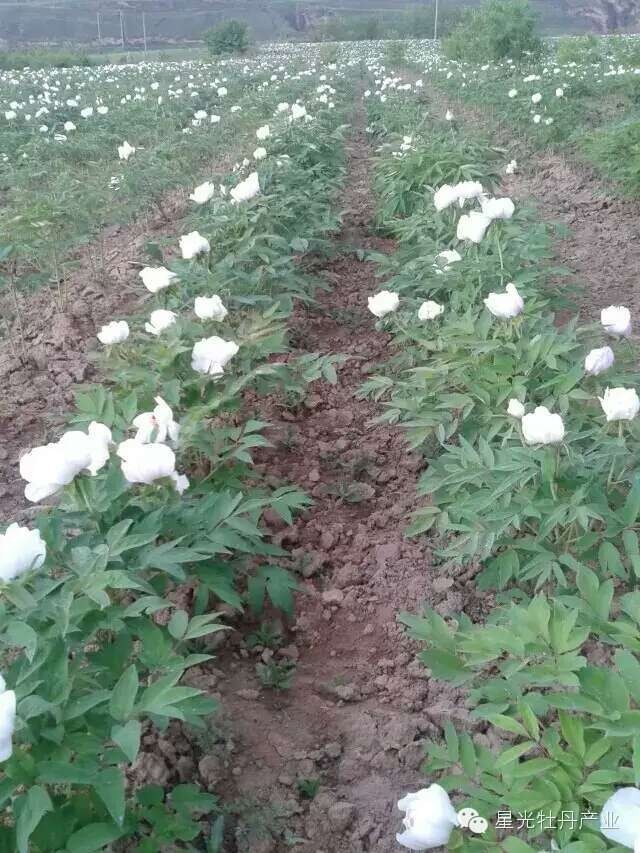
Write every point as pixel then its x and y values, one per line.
pixel 298 111
pixel 246 190
pixel 616 320
pixel 537 118
pixel 211 355
pixel 620 404
pixel 559 92
pixel 203 193
pixel 87 112
pixel 429 819
pixel 160 320
pixel 283 107
pixel 542 427
pixel 429 310
pixel 21 549
pixel 498 208
pixel 193 244
pixel 263 133
pixel 446 257
pixel 50 467
pixel 445 196
pixel 125 150
pixel 383 303
pixel 259 154
pixel 505 305
pixel 468 190
pixel 114 332
pixel 620 818
pixel 512 93
pixel 599 360
pixel 157 425
pixel 511 167
pixel 535 99
pixel 7 720
pixel 156 278
pixel 146 463
pixel 448 116
pixel 472 226
pixel 515 408
pixel 69 126
pixel 210 308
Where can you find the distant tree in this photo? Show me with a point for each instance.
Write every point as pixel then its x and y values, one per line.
pixel 494 31
pixel 228 37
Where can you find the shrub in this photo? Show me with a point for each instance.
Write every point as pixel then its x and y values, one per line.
pixel 580 49
pixel 228 37
pixel 395 54
pixel 498 29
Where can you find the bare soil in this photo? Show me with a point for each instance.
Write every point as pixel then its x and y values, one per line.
pixel 602 246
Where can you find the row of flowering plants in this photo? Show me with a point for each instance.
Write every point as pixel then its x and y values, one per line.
pixel 151 493
pixel 530 429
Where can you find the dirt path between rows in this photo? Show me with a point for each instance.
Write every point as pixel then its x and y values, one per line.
pixel 602 247
pixel 360 707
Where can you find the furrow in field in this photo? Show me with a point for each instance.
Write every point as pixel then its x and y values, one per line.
pixel 358 710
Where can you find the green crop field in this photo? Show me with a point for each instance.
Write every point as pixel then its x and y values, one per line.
pixel 319 485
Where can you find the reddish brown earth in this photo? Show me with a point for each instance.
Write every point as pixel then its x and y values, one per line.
pixel 360 707
pixel 602 247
